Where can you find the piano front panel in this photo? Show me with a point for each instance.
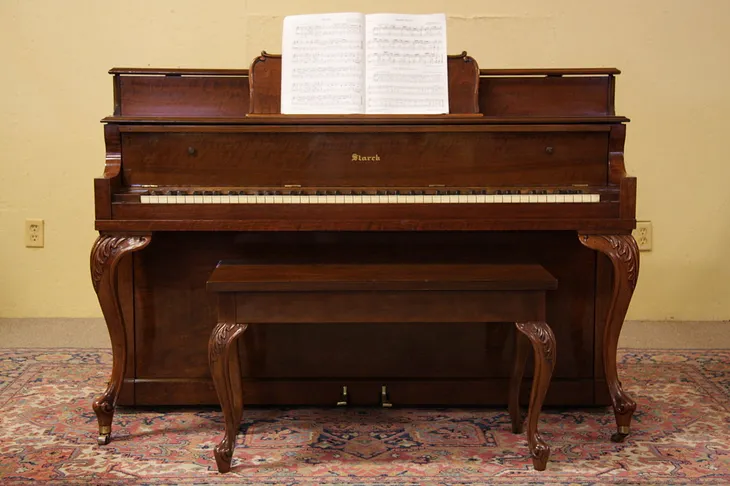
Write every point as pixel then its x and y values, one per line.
pixel 174 314
pixel 383 157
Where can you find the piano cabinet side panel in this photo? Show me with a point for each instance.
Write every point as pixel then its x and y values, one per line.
pixel 174 315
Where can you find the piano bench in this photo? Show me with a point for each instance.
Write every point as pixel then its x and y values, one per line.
pixel 373 293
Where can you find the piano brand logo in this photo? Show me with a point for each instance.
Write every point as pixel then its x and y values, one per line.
pixel 365 158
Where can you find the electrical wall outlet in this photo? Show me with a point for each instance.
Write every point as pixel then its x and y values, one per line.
pixel 642 235
pixel 34 233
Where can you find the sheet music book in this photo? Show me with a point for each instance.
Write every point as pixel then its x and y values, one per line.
pixel 344 63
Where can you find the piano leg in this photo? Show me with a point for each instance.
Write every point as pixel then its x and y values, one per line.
pixel 624 255
pixel 226 372
pixel 106 253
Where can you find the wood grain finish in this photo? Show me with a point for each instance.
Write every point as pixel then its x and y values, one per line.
pixel 324 158
pixel 105 256
pixel 623 252
pixel 325 293
pixel 168 315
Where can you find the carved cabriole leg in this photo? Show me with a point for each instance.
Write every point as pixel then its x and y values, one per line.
pixel 518 370
pixel 225 370
pixel 624 254
pixel 543 344
pixel 106 253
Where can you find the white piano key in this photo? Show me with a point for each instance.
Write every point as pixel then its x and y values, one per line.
pixel 524 198
pixel 357 199
pixel 419 199
pixel 488 199
pixel 288 199
pixel 215 199
pixel 542 198
pixel 595 198
pixel 207 199
pixel 154 199
pixel 471 198
pixel 532 198
pixel 399 199
pixel 339 199
pixel 498 198
pixel 234 199
pixel 560 198
pixel 569 198
pixel 428 199
pixel 144 199
pixel 551 198
pixel 180 199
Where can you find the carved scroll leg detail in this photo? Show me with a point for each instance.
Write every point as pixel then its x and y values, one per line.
pixel 518 370
pixel 225 370
pixel 543 344
pixel 624 255
pixel 106 254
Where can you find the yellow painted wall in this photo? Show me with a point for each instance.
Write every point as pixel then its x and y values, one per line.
pixel 54 88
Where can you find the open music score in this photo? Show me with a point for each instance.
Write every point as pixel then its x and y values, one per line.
pixel 372 196
pixel 350 63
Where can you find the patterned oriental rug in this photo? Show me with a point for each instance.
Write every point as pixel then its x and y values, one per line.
pixel 681 434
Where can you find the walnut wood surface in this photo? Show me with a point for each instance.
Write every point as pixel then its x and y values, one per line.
pixel 167 313
pixel 324 158
pixel 105 256
pixel 623 252
pixel 238 277
pixel 241 304
pixel 543 344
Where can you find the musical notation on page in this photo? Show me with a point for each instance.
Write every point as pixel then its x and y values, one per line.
pixel 353 63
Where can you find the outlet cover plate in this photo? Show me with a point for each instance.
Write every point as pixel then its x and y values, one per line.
pixel 643 235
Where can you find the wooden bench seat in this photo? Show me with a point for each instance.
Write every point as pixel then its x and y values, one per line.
pixel 363 293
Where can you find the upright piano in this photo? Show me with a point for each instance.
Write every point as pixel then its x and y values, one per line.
pixel 200 167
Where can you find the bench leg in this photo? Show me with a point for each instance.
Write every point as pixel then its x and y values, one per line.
pixel 543 344
pixel 522 347
pixel 226 372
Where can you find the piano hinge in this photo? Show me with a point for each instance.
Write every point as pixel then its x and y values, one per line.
pixel 292 185
pixel 437 185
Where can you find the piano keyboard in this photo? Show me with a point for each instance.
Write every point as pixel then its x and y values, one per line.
pixel 370 197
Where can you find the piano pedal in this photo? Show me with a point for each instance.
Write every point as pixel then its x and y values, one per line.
pixel 384 402
pixel 344 398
